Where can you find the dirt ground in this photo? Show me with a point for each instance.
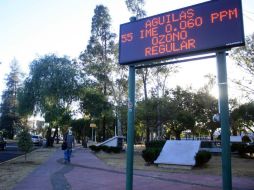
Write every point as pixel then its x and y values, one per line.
pixel 14 171
pixel 240 166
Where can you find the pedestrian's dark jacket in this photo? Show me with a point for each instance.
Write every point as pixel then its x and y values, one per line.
pixel 69 139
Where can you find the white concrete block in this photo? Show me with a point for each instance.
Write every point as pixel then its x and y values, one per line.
pixel 235 139
pixel 179 152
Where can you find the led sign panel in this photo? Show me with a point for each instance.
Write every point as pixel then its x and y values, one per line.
pixel 200 28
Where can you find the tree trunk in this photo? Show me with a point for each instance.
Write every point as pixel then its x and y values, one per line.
pixel 56 136
pixel 144 79
pixel 178 135
pixel 48 137
pixel 211 135
pixel 234 132
pixel 119 125
pixel 103 128
pixel 234 129
pixel 147 134
pixel 158 122
pixel 103 118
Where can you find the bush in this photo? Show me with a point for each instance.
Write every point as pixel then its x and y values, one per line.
pixel 25 142
pixel 206 144
pixel 95 148
pixel 246 149
pixel 235 147
pixel 202 157
pixel 246 139
pixel 116 149
pixel 152 151
pixel 151 154
pixel 104 148
pixel 250 149
pixel 242 150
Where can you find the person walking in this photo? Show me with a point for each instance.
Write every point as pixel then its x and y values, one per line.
pixel 70 141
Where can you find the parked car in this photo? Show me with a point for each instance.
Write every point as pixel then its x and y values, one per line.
pixel 37 140
pixel 2 143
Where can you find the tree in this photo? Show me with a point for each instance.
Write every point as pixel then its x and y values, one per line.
pixel 136 7
pixel 51 87
pixel 10 120
pixel 92 102
pixel 159 74
pixel 244 58
pixel 174 113
pixel 98 57
pixel 181 121
pixel 205 106
pixel 95 104
pixel 58 117
pixel 145 72
pixel 242 118
pixel 159 80
pixel 179 110
pixel 146 117
pixel 25 143
pixel 187 110
pixel 119 89
pixel 81 128
pixel 26 99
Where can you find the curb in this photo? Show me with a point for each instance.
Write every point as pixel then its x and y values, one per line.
pixel 1 163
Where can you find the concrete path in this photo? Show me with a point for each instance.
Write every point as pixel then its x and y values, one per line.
pixel 87 172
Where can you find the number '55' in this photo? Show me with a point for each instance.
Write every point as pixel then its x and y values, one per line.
pixel 127 37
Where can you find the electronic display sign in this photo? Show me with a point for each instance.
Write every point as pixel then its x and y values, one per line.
pixel 205 27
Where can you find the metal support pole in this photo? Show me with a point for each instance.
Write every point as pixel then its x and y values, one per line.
pixel 92 134
pixel 130 129
pixel 224 121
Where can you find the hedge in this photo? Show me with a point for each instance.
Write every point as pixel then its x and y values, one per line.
pixel 95 148
pixel 202 157
pixel 246 139
pixel 235 147
pixel 152 151
pixel 246 149
pixel 243 149
pixel 151 154
pixel 104 148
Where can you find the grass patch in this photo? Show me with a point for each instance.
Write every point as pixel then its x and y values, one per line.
pixel 240 166
pixel 13 171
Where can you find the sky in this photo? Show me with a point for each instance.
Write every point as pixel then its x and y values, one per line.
pixel 33 28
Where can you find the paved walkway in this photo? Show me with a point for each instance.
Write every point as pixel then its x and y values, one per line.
pixel 87 172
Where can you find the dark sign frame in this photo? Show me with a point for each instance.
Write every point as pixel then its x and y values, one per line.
pixel 201 28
